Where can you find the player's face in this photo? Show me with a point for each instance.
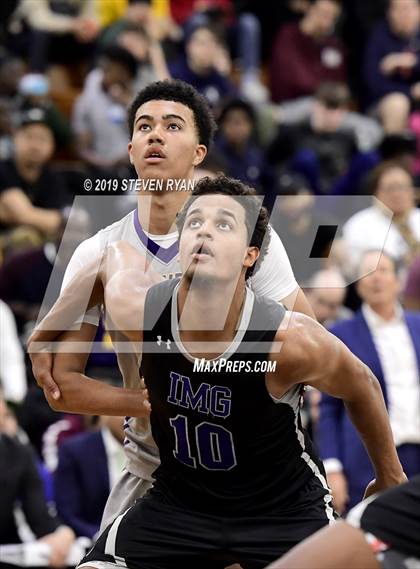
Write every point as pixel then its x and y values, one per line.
pixel 165 141
pixel 214 240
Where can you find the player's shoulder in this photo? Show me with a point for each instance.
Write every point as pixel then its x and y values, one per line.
pixel 91 247
pixel 304 335
pixel 116 230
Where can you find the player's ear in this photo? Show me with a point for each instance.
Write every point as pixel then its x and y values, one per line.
pixel 130 147
pixel 200 154
pixel 251 256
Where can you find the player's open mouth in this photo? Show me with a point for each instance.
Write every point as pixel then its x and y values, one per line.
pixel 154 155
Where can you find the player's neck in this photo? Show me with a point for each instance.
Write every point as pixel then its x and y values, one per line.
pixel 209 314
pixel 157 211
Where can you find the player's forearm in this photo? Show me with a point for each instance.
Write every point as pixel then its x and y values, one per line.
pixel 81 394
pixel 369 415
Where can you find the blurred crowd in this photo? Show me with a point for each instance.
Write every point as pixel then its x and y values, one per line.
pixel 318 107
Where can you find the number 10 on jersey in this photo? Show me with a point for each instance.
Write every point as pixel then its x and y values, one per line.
pixel 214 445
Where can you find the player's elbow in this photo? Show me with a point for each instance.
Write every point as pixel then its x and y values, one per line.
pixel 365 383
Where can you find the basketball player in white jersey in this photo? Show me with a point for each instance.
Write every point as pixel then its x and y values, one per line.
pixel 172 127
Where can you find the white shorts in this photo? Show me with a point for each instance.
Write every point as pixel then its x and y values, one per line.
pixel 123 495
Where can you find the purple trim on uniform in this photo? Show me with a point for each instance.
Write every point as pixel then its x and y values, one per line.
pixel 164 255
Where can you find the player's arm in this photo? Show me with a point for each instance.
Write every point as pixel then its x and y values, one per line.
pixel 313 356
pixel 119 278
pixel 337 545
pixel 80 393
pixel 298 302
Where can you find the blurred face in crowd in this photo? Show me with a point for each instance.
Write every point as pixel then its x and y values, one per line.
pixel 8 423
pixel 136 43
pixel 114 73
pixel 380 286
pixel 293 207
pixel 323 16
pixel 237 127
pixel 326 302
pixel 138 12
pixel 404 17
pixel 165 141
pixel 34 144
pixel 395 190
pixel 201 49
pixel 326 119
pixel 11 72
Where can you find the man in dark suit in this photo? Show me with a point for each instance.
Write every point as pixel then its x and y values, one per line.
pixel 88 465
pixel 387 339
pixel 20 481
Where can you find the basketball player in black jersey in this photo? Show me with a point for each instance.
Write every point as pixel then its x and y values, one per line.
pixel 382 533
pixel 238 480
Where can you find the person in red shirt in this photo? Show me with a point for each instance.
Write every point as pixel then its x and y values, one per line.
pixel 307 53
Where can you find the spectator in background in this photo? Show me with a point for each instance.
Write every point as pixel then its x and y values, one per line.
pixel 318 147
pixel 243 32
pixel 206 65
pixel 412 287
pixel 12 69
pixel 62 32
pixel 392 64
pixel 307 53
pixel 366 131
pixel 147 51
pixel 12 364
pixel 88 466
pixel 6 129
pixel 21 481
pixel 31 193
pixel 297 221
pixel 326 292
pixel 99 117
pixel 387 339
pixel 393 221
pixel 33 92
pixel 236 143
pixel 136 31
pixel 46 265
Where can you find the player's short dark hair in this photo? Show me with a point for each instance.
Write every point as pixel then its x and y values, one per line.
pixel 259 236
pixel 119 55
pixel 179 92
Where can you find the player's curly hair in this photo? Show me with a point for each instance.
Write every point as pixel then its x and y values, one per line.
pixel 256 216
pixel 179 92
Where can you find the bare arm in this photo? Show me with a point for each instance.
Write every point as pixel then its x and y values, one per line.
pixel 298 302
pixel 121 279
pixel 313 356
pixel 81 394
pixel 17 209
